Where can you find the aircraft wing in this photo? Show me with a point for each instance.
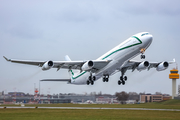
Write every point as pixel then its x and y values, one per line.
pixel 29 62
pixel 98 64
pixel 141 65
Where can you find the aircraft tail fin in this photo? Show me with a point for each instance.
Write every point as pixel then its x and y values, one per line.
pixel 67 58
pixel 71 73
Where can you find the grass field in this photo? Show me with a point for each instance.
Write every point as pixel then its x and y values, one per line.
pixel 62 114
pixel 170 104
pixel 97 114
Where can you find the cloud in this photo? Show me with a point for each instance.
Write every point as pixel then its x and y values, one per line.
pixel 83 29
pixel 149 7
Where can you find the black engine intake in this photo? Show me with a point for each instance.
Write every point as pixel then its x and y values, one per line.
pixel 87 65
pixel 47 65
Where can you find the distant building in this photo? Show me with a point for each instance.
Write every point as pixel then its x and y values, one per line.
pixel 106 99
pixel 134 97
pixel 78 98
pixel 103 100
pixel 131 101
pixel 16 94
pixel 166 97
pixel 150 98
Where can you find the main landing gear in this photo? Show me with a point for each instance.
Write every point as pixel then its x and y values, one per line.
pixel 105 78
pixel 122 80
pixel 91 80
pixel 142 52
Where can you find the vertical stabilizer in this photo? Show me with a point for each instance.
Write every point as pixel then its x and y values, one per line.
pixel 71 73
pixel 67 58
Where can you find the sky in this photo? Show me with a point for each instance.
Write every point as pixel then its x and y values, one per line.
pixel 84 30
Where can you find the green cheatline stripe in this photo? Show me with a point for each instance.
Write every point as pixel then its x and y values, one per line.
pixel 124 47
pixel 79 75
pixel 140 42
pixel 72 72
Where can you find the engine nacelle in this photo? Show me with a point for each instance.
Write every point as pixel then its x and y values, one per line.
pixel 87 66
pixel 143 65
pixel 47 65
pixel 162 66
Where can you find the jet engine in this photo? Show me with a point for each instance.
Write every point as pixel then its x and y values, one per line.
pixel 87 66
pixel 47 65
pixel 162 66
pixel 143 65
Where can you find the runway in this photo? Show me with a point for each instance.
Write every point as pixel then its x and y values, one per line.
pixel 9 107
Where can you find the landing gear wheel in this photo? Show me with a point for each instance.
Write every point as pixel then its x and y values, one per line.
pixel 121 78
pixel 119 82
pixel 125 78
pixel 88 82
pixel 123 82
pixel 143 56
pixel 104 79
pixel 94 78
pixel 92 82
pixel 107 79
pixel 90 77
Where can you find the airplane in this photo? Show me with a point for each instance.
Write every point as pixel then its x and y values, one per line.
pixel 118 59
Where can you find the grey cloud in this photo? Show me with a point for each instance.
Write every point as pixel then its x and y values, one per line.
pixel 148 7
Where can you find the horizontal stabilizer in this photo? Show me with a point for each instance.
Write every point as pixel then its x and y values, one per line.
pixel 57 80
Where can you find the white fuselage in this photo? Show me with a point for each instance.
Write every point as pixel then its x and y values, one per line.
pixel 119 55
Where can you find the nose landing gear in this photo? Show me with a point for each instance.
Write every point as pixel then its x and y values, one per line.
pixel 143 56
pixel 142 52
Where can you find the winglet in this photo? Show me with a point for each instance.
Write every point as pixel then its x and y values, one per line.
pixel 7 58
pixel 174 61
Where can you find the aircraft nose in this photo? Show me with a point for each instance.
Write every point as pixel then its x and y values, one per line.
pixel 150 38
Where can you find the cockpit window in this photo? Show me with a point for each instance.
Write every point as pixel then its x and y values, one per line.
pixel 145 34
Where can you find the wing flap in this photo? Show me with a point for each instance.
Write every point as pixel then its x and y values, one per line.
pixel 99 64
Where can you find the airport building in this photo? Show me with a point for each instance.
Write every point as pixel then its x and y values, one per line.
pixel 20 97
pixel 153 98
pixel 106 99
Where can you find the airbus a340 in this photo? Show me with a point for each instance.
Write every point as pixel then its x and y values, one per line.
pixel 118 59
